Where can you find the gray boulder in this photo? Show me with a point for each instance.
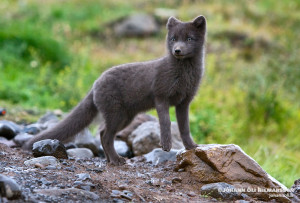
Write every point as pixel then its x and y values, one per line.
pixel 147 137
pixel 33 129
pixel 9 129
pixel 84 139
pixel 136 25
pixel 21 138
pixel 137 121
pixel 121 148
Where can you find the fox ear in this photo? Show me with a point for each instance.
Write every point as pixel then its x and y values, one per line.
pixel 200 22
pixel 172 22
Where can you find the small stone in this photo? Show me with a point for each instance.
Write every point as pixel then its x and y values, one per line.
pixel 126 196
pixel 176 180
pixel 155 182
pixel 123 187
pixel 9 188
pixel 78 182
pixel 191 194
pixel 51 168
pixel 220 190
pixel 45 161
pixel 83 176
pixel 80 153
pixel 70 145
pixel 77 193
pixel 71 169
pixel 49 147
pixel 158 156
pixel 116 200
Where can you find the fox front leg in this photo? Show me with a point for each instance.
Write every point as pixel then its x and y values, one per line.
pixel 162 108
pixel 182 114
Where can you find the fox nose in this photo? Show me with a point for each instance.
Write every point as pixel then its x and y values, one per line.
pixel 177 51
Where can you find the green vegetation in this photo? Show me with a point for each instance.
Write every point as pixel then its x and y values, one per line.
pixel 52 51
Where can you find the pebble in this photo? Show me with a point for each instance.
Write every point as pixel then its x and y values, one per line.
pixel 49 147
pixel 176 180
pixel 83 176
pixel 220 190
pixel 80 153
pixel 45 161
pixel 158 156
pixel 9 188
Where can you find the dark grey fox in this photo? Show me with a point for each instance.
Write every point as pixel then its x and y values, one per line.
pixel 123 91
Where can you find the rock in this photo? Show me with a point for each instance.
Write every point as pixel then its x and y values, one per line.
pixel 147 137
pixel 228 163
pixel 83 176
pixel 9 129
pixel 296 188
pixel 137 25
pixel 70 145
pixel 9 188
pixel 21 138
pixel 220 191
pixel 49 147
pixel 33 129
pixel 76 193
pixel 176 180
pixel 80 153
pixel 163 14
pixel 49 120
pixel 84 139
pixel 137 121
pixel 7 142
pixel 122 149
pixel 158 156
pixel 45 161
pixel 48 117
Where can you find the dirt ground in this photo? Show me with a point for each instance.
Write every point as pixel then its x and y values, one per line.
pixel 136 181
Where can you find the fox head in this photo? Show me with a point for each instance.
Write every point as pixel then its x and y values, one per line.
pixel 186 40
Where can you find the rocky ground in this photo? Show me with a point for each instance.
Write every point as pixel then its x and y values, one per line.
pixel 92 180
pixel 78 172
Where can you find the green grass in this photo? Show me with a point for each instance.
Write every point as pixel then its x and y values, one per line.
pixel 51 52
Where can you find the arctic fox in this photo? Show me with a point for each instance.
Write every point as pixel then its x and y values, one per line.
pixel 123 91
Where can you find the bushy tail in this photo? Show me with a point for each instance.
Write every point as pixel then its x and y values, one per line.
pixel 80 117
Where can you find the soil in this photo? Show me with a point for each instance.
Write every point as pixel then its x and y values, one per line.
pixel 136 181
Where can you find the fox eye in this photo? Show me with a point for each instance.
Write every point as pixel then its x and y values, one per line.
pixel 189 39
pixel 173 39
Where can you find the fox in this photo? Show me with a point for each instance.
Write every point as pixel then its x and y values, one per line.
pixel 123 91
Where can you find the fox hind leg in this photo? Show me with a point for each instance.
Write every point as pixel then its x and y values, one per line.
pixel 115 123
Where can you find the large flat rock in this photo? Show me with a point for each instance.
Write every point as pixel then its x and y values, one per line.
pixel 230 164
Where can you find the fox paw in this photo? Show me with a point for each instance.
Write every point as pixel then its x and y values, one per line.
pixel 166 147
pixel 192 146
pixel 118 161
